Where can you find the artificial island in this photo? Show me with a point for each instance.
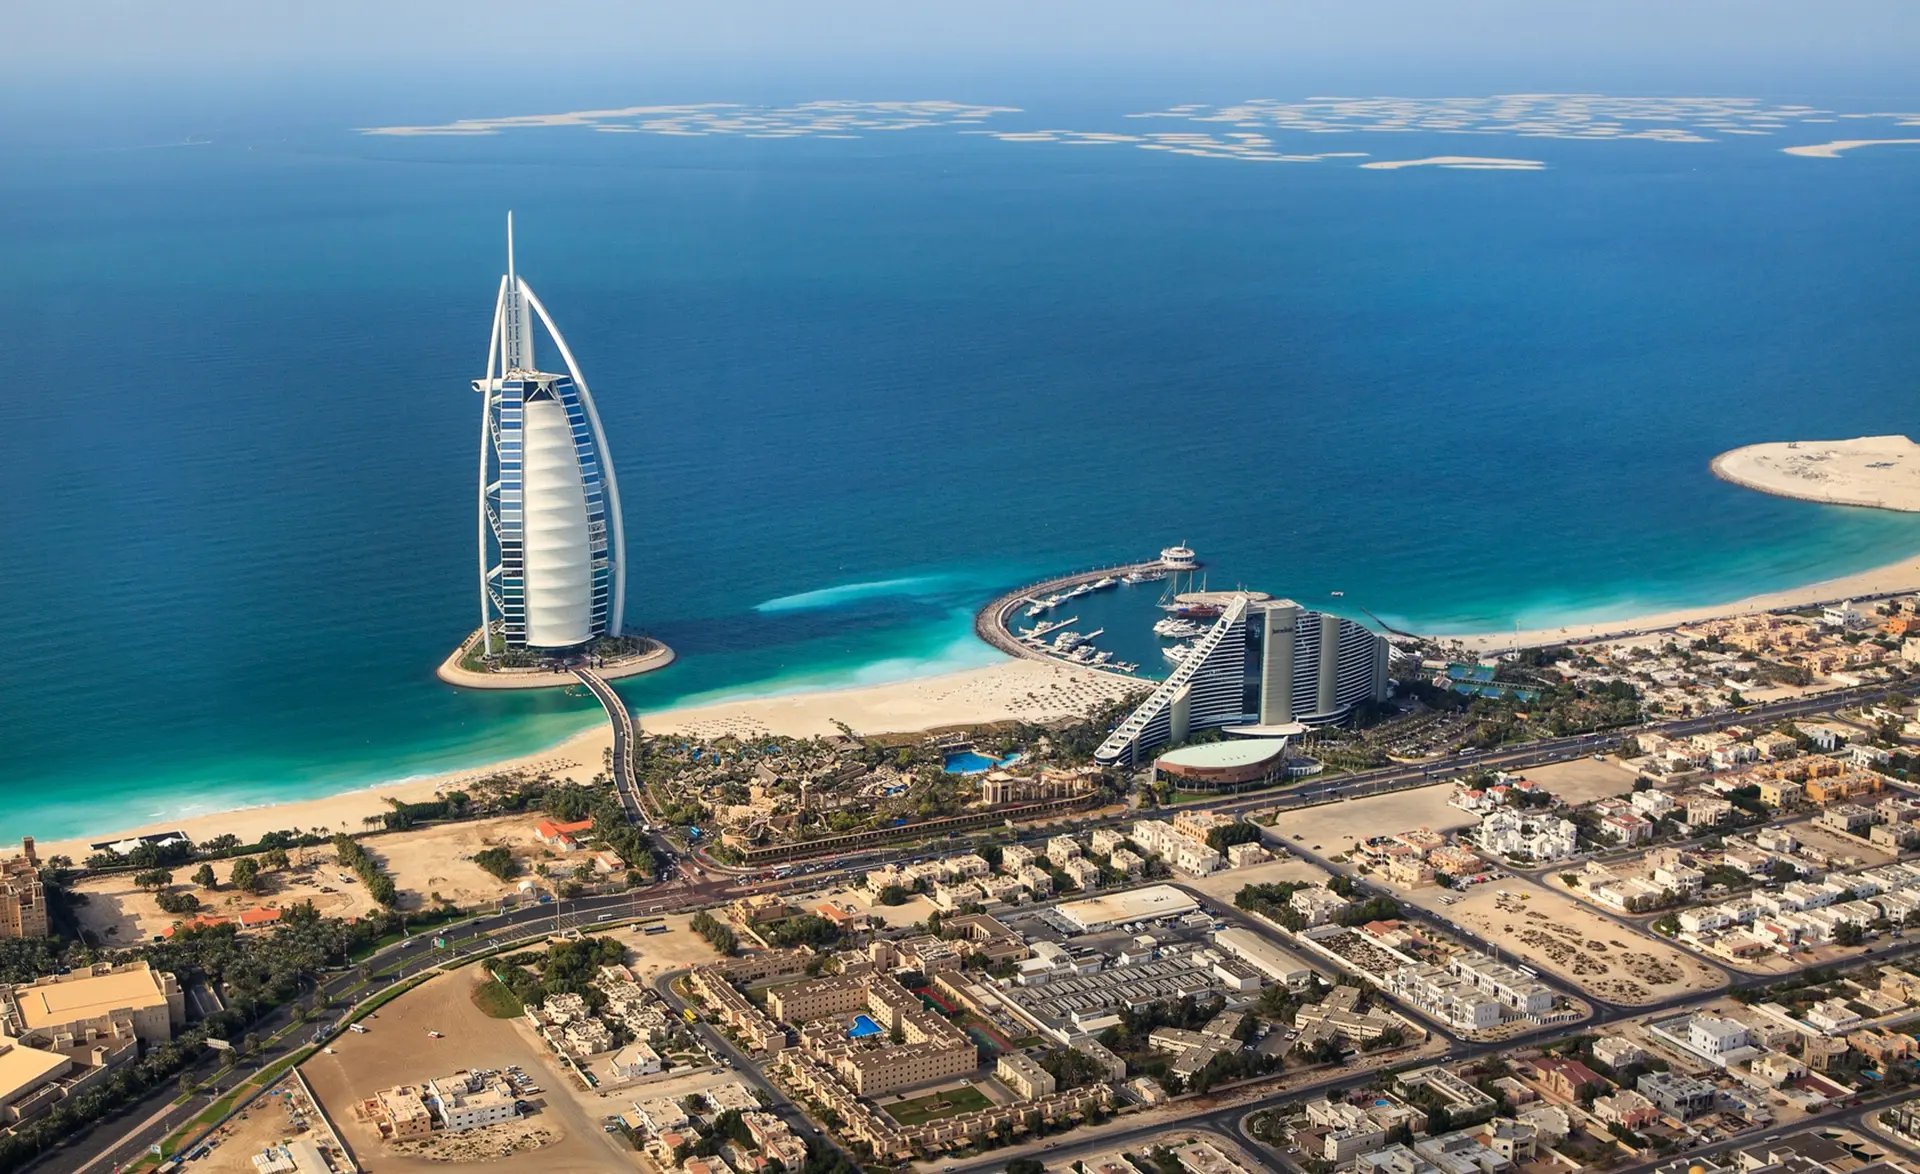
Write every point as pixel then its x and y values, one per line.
pixel 549 529
pixel 1879 472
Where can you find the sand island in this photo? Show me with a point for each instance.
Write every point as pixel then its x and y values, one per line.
pixel 1882 472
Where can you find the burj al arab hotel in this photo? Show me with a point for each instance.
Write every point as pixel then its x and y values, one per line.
pixel 553 559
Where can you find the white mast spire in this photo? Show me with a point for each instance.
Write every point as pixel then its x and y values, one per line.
pixel 516 341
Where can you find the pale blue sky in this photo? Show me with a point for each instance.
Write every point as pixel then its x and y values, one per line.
pixel 67 35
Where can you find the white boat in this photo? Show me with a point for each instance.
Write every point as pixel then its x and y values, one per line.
pixel 1083 654
pixel 1176 652
pixel 1138 577
pixel 1102 584
pixel 1175 628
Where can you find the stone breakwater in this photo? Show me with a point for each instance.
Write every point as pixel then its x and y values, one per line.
pixel 993 623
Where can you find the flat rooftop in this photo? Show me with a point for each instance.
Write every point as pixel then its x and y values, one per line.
pixel 56 1004
pixel 23 1069
pixel 1133 905
pixel 1245 752
pixel 1259 951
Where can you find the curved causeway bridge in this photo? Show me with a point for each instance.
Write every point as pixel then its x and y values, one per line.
pixel 624 783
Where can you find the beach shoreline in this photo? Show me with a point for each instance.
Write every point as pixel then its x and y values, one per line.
pixel 1036 690
pixel 1009 690
pixel 1894 578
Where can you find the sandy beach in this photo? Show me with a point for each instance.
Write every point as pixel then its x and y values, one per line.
pixel 1882 472
pixel 1833 149
pixel 1028 690
pixel 1459 162
pixel 1902 576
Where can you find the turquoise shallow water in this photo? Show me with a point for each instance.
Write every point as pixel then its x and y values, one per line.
pixel 855 387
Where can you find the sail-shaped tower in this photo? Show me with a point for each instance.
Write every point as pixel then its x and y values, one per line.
pixel 553 566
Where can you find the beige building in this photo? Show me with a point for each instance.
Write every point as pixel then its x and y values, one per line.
pixel 34 1079
pixel 928 1048
pixel 23 899
pixel 862 1123
pixel 463 1101
pixel 94 1000
pixel 398 1112
pixel 1019 1072
pixel 731 1009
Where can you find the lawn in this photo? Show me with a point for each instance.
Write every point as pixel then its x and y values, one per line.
pixel 497 1001
pixel 950 1102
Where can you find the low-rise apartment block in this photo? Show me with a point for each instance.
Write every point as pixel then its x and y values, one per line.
pixel 1019 1072
pixel 1508 832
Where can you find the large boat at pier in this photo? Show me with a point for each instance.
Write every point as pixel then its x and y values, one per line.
pixel 1179 557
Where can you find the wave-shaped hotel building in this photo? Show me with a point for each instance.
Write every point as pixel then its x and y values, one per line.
pixel 552 552
pixel 1267 668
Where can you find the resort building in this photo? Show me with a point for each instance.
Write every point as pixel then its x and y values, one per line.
pixel 866 1126
pixel 35 1076
pixel 1267 666
pixel 552 557
pixel 23 899
pixel 100 1001
pixel 1226 766
pixel 872 1033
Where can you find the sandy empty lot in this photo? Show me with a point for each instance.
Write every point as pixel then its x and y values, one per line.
pixel 438 859
pixel 1559 936
pixel 422 862
pixel 1335 826
pixel 652 954
pixel 398 1050
pixel 120 914
pixel 1222 886
pixel 1583 779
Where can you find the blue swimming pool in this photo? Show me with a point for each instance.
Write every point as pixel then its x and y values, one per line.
pixel 862 1028
pixel 967 762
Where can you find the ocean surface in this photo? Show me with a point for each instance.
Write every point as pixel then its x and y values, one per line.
pixel 856 385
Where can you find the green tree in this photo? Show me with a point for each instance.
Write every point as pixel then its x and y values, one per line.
pixel 497 861
pixel 203 876
pixel 246 875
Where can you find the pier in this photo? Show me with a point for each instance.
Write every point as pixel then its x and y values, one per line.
pixel 624 783
pixel 992 623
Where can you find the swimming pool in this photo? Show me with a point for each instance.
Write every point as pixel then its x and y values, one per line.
pixel 863 1027
pixel 967 762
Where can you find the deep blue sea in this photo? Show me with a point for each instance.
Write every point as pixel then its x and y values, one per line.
pixel 856 386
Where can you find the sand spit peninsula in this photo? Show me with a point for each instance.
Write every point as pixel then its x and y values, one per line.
pixel 1457 162
pixel 1882 472
pixel 1833 149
